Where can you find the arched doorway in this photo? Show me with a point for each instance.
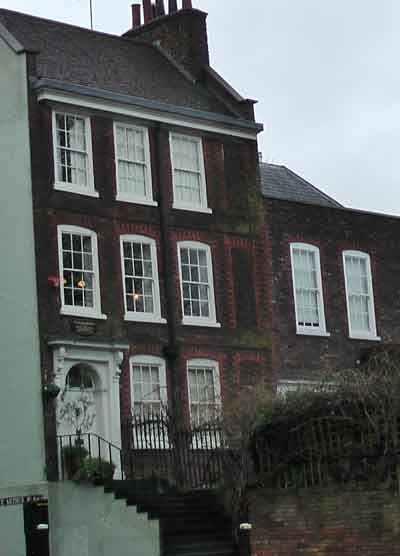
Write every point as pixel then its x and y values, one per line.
pixel 79 409
pixel 90 370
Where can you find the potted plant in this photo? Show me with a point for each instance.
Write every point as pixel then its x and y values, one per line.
pixel 95 470
pixel 73 456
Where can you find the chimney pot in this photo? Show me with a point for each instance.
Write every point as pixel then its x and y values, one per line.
pixel 187 4
pixel 136 16
pixel 172 6
pixel 148 11
pixel 160 10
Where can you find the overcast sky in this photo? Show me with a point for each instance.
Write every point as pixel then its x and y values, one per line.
pixel 325 75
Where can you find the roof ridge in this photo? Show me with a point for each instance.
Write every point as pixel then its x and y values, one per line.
pixel 57 22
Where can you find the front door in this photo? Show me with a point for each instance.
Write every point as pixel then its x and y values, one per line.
pixel 79 408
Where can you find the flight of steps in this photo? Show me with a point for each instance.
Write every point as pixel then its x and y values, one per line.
pixel 190 524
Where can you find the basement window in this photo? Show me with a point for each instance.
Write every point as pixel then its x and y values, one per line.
pixel 204 391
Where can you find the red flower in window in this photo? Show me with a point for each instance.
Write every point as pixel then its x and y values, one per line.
pixel 54 281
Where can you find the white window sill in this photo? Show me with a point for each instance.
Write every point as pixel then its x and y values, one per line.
pixel 71 188
pixel 136 201
pixel 365 338
pixel 70 313
pixel 318 333
pixel 203 210
pixel 208 324
pixel 129 317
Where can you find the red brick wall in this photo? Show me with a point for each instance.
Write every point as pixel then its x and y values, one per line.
pixel 232 225
pixel 332 230
pixel 325 524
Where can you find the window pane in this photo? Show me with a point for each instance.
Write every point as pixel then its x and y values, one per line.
pixel 195 283
pixel 204 405
pixel 307 292
pixel 359 293
pixel 132 163
pixel 72 152
pixel 188 180
pixel 78 272
pixel 146 388
pixel 138 265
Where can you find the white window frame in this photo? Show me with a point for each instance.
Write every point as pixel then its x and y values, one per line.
pixel 92 312
pixel 202 440
pixel 133 316
pixel 308 330
pixel 90 190
pixel 359 334
pixel 206 364
pixel 210 321
pixel 160 363
pixel 203 206
pixel 130 198
pixel 285 387
pixel 155 361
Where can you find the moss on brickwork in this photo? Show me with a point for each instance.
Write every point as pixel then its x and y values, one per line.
pixel 256 210
pixel 251 338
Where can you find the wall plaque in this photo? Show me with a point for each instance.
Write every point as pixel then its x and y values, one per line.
pixel 16 500
pixel 83 327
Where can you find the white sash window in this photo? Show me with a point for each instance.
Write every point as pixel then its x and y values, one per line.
pixel 359 295
pixel 188 174
pixel 73 162
pixel 307 286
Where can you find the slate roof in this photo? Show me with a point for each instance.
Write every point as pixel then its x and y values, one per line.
pixel 278 182
pixel 80 56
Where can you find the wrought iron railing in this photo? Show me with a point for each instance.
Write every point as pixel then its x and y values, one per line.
pixel 187 456
pixel 75 449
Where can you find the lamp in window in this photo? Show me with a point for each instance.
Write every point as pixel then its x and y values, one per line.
pixel 81 284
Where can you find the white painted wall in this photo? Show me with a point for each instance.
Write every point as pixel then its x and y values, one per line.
pixel 21 430
pixel 84 521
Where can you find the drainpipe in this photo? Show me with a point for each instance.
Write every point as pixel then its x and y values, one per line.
pixel 171 351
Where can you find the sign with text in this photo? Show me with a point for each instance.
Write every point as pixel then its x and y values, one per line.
pixel 16 500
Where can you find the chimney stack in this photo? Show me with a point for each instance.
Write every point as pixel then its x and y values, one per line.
pixel 172 6
pixel 147 11
pixel 136 16
pixel 182 33
pixel 160 10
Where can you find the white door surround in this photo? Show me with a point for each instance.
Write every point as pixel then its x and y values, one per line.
pixel 105 359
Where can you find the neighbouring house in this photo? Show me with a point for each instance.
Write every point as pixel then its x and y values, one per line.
pixel 22 457
pixel 137 166
pixel 333 271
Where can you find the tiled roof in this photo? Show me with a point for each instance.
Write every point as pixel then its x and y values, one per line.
pixel 76 55
pixel 278 182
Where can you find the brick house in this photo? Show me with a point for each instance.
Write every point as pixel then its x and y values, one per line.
pixel 148 225
pixel 345 260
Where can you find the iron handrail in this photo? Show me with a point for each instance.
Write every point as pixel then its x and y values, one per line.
pixel 69 466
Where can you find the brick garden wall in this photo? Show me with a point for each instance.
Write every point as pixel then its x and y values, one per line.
pixel 325 524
